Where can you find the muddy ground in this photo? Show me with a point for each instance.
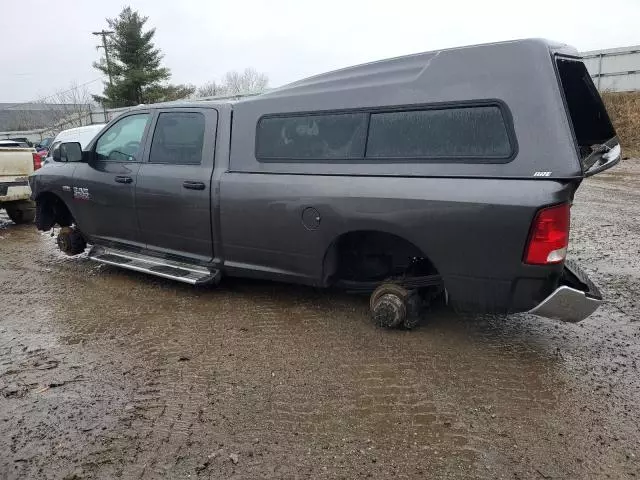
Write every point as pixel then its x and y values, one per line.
pixel 106 373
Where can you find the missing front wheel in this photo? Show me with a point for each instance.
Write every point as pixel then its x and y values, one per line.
pixel 71 241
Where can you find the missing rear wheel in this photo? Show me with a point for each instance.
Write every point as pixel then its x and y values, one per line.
pixel 388 304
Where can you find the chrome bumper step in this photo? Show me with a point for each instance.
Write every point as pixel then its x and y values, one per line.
pixel 160 267
pixel 575 299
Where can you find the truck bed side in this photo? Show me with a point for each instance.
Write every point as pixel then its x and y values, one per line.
pixel 474 231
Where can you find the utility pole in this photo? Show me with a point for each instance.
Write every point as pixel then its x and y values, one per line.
pixel 103 34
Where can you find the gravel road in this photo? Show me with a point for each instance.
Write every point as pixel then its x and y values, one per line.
pixel 106 373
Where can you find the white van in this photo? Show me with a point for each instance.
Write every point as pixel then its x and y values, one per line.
pixel 79 134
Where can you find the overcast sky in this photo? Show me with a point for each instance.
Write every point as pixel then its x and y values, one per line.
pixel 48 45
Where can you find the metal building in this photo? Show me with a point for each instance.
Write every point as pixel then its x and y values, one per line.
pixel 615 69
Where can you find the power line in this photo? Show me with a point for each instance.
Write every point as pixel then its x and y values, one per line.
pixel 23 74
pixel 103 34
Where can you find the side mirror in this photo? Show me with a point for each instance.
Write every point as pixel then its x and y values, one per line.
pixel 68 152
pixel 55 154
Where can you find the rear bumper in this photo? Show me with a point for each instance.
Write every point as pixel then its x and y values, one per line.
pixel 575 299
pixel 14 191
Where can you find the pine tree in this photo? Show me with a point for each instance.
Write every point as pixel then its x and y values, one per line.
pixel 135 65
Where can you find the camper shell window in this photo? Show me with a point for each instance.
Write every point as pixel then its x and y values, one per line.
pixel 478 133
pixel 454 133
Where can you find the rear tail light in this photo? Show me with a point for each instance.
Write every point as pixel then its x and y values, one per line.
pixel 549 236
pixel 37 161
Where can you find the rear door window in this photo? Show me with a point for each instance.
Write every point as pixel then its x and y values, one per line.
pixel 178 138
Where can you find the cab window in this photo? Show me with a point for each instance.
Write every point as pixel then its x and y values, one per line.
pixel 178 138
pixel 122 141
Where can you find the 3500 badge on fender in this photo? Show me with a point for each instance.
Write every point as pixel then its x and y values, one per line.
pixel 81 193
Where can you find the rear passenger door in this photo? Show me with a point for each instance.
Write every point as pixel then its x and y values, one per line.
pixel 173 191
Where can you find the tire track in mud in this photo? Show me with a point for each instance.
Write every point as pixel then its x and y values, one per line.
pixel 178 381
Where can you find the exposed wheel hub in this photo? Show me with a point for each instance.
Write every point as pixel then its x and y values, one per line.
pixel 388 305
pixel 71 241
pixel 63 240
pixel 389 311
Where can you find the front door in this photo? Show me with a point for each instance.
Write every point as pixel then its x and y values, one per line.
pixel 173 191
pixel 104 188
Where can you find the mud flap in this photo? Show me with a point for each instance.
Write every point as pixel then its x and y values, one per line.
pixel 575 299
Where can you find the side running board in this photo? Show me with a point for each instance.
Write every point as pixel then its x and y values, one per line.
pixel 160 267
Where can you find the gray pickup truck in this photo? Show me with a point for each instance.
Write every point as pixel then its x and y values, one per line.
pixel 446 174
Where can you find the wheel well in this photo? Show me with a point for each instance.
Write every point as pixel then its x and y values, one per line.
pixel 370 255
pixel 51 210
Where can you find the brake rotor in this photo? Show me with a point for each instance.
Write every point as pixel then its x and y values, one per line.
pixel 388 305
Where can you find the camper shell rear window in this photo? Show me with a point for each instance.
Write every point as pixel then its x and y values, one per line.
pixel 469 133
pixel 588 115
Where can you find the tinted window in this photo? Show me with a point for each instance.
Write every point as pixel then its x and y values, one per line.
pixel 469 132
pixel 178 138
pixel 312 137
pixel 588 115
pixel 121 142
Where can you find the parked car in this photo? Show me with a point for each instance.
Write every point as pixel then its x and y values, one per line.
pixel 17 162
pixel 43 146
pixel 82 135
pixel 447 173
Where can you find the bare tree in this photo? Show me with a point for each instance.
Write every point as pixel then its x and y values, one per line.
pixel 73 106
pixel 210 89
pixel 249 81
pixel 235 83
pixel 65 109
